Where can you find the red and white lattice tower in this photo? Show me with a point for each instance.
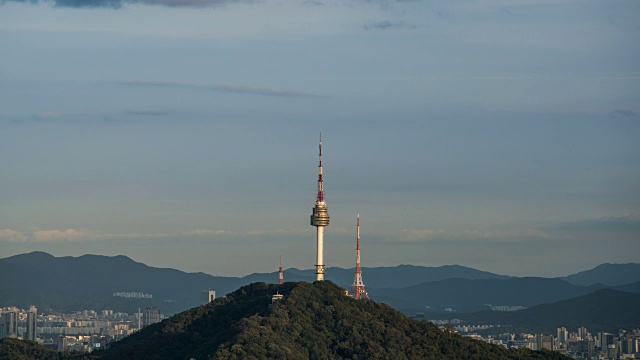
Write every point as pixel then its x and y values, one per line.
pixel 357 289
pixel 320 219
pixel 280 273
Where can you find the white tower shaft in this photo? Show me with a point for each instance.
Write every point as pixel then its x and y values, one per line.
pixel 320 254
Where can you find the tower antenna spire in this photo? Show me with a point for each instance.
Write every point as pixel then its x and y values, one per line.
pixel 357 289
pixel 280 273
pixel 320 197
pixel 320 219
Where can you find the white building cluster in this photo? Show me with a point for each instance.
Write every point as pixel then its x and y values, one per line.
pixel 18 323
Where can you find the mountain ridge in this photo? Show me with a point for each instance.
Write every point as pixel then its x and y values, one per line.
pixel 607 274
pixel 468 295
pixel 74 283
pixel 602 310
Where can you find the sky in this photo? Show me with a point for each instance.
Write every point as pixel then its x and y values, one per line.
pixel 502 135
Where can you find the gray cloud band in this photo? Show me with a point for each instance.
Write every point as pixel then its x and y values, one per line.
pixel 116 4
pixel 266 91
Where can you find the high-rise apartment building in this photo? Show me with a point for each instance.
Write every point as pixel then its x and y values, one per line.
pixel 32 323
pixel 9 323
pixel 544 342
pixel 207 296
pixel 563 336
pixel 151 316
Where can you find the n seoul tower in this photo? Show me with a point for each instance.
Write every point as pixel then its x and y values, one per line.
pixel 320 219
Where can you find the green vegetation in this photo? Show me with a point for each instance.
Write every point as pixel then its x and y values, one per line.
pixel 15 349
pixel 314 321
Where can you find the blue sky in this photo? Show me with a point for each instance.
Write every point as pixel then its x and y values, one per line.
pixel 502 135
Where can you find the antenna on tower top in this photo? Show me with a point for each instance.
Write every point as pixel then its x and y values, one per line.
pixel 320 197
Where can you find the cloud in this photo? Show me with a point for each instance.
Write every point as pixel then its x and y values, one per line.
pixel 48 115
pixel 606 227
pixel 507 235
pixel 625 113
pixel 255 90
pixel 626 223
pixel 116 4
pixel 81 234
pixel 422 234
pixel 384 25
pixel 65 235
pixel 12 235
pixel 206 232
pixel 148 112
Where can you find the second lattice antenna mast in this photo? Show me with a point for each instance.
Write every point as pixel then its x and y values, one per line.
pixel 357 289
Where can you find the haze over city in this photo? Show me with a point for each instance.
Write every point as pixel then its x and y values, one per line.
pixel 500 135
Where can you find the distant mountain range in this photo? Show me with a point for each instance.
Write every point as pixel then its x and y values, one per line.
pixel 88 282
pixel 468 295
pixel 393 277
pixel 603 310
pixel 607 274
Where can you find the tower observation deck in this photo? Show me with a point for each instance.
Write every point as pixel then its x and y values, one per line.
pixel 320 219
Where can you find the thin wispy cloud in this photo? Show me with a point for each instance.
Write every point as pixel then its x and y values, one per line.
pixel 385 25
pixel 116 4
pixel 12 235
pixel 83 234
pixel 231 88
pixel 47 115
pixel 148 112
pixel 625 113
pixel 64 235
pixel 629 222
pixel 564 231
pixel 207 232
pixel 425 235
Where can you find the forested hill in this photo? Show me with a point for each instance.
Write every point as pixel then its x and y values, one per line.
pixel 313 321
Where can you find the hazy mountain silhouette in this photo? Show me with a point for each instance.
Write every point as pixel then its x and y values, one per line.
pixel 74 283
pixel 603 310
pixel 464 295
pixel 88 282
pixel 607 274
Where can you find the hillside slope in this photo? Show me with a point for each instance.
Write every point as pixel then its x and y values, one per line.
pixel 313 321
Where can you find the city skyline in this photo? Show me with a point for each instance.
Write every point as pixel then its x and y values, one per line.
pixel 498 135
